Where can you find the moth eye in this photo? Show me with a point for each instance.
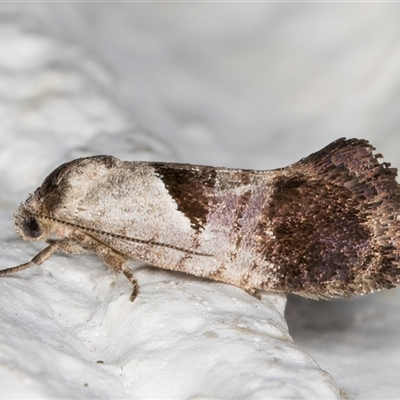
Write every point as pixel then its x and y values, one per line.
pixel 31 228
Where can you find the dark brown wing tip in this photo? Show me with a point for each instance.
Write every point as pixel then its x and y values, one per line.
pixel 351 163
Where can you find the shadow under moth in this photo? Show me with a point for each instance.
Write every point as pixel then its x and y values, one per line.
pixel 326 226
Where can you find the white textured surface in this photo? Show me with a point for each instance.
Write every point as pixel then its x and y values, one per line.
pixel 244 85
pixel 180 339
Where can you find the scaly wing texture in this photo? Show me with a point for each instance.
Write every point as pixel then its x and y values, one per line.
pixel 335 218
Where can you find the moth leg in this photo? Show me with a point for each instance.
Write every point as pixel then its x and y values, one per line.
pixel 42 256
pixel 112 258
pixel 254 292
pixel 117 262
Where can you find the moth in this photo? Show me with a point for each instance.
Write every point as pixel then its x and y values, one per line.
pixel 326 226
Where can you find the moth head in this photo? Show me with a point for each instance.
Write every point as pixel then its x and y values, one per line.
pixel 28 225
pixel 34 221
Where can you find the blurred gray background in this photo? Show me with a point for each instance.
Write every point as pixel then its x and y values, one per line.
pixel 254 85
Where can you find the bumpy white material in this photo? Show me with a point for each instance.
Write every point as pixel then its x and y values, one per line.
pixel 68 331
